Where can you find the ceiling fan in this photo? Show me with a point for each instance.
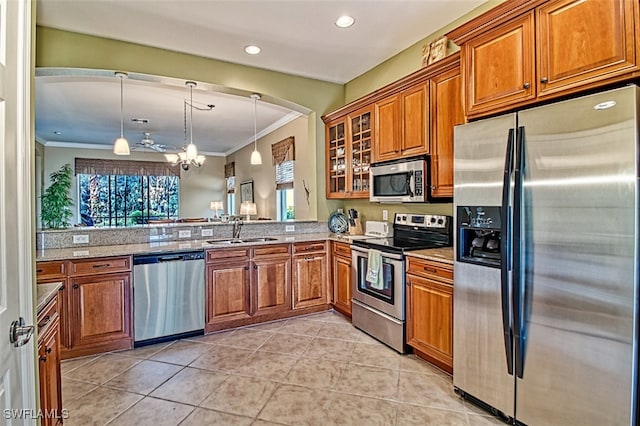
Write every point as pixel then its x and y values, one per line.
pixel 147 142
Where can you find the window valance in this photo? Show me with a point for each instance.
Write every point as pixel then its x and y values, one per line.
pixel 96 166
pixel 283 151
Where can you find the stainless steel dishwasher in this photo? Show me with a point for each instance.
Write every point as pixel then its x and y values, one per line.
pixel 168 296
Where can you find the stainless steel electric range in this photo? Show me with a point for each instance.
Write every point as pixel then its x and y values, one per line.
pixel 378 305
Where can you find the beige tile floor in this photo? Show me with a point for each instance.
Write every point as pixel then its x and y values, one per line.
pixel 312 370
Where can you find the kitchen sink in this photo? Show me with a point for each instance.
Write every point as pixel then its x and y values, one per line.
pixel 257 240
pixel 241 240
pixel 226 241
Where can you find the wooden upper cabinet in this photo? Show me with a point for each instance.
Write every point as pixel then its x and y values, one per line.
pixel 446 112
pixel 499 66
pixel 581 41
pixel 415 121
pixel 402 124
pixel 387 146
pixel 524 51
pixel 349 141
pixel 336 154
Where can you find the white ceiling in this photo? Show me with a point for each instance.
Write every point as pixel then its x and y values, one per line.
pixel 297 37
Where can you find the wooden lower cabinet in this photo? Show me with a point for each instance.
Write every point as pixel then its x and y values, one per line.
pixel 247 285
pixel 272 282
pixel 341 274
pixel 94 303
pixel 49 364
pixel 430 311
pixel 309 275
pixel 101 313
pixel 228 291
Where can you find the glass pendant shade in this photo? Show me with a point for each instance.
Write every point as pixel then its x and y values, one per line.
pixel 120 145
pixel 256 158
pixel 192 152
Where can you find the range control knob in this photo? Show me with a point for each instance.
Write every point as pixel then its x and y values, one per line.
pixel 440 221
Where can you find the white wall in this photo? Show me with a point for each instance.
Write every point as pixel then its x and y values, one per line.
pixel 198 186
pixel 263 176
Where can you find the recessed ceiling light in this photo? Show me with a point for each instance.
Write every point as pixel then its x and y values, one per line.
pixel 345 21
pixel 57 132
pixel 252 49
pixel 140 120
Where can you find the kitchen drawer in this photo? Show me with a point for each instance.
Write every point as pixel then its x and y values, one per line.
pixel 51 270
pixel 270 250
pixel 105 265
pixel 302 248
pixel 227 254
pixel 47 315
pixel 428 269
pixel 341 249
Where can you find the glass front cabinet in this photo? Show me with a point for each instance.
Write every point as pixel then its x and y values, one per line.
pixel 348 149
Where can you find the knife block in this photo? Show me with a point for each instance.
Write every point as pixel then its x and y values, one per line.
pixel 356 229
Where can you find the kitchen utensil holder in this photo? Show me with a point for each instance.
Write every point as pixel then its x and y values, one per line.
pixel 356 229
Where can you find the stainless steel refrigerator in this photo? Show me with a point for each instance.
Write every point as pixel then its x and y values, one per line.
pixel 546 261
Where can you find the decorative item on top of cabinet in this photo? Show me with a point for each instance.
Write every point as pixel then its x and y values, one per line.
pixel 49 363
pixel 430 311
pixel 310 274
pixel 348 149
pixel 524 51
pixel 341 273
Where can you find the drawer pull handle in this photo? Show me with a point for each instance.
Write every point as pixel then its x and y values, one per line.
pixel 431 270
pixel 39 270
pixel 45 321
pixel 102 265
pixel 48 350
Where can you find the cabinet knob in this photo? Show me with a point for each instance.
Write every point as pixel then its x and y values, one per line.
pixel 43 358
pixel 246 268
pixel 544 80
pixel 76 286
pixel 255 266
pixel 48 350
pixel 526 86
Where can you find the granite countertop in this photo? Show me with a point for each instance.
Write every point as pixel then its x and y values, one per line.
pixel 174 246
pixel 46 292
pixel 444 255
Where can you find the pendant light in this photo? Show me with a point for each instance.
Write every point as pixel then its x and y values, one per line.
pixel 120 145
pixel 189 157
pixel 256 158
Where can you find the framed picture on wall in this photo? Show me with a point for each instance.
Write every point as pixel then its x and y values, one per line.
pixel 246 192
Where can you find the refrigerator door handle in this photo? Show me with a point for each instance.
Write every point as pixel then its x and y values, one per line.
pixel 505 251
pixel 516 293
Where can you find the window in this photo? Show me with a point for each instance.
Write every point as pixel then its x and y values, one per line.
pixel 284 190
pixel 122 200
pixel 231 195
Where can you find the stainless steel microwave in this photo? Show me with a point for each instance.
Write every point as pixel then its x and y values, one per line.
pixel 400 181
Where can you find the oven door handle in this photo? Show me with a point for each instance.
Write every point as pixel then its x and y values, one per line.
pixel 365 252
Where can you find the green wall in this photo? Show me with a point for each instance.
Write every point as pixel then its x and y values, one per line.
pixel 56 48
pixel 407 61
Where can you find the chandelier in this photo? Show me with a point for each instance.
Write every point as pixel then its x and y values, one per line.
pixel 189 156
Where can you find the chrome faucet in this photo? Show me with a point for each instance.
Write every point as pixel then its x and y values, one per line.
pixel 237 225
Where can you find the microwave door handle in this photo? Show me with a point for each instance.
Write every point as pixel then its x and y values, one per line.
pixel 411 183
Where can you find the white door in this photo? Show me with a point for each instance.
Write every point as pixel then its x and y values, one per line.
pixel 17 364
